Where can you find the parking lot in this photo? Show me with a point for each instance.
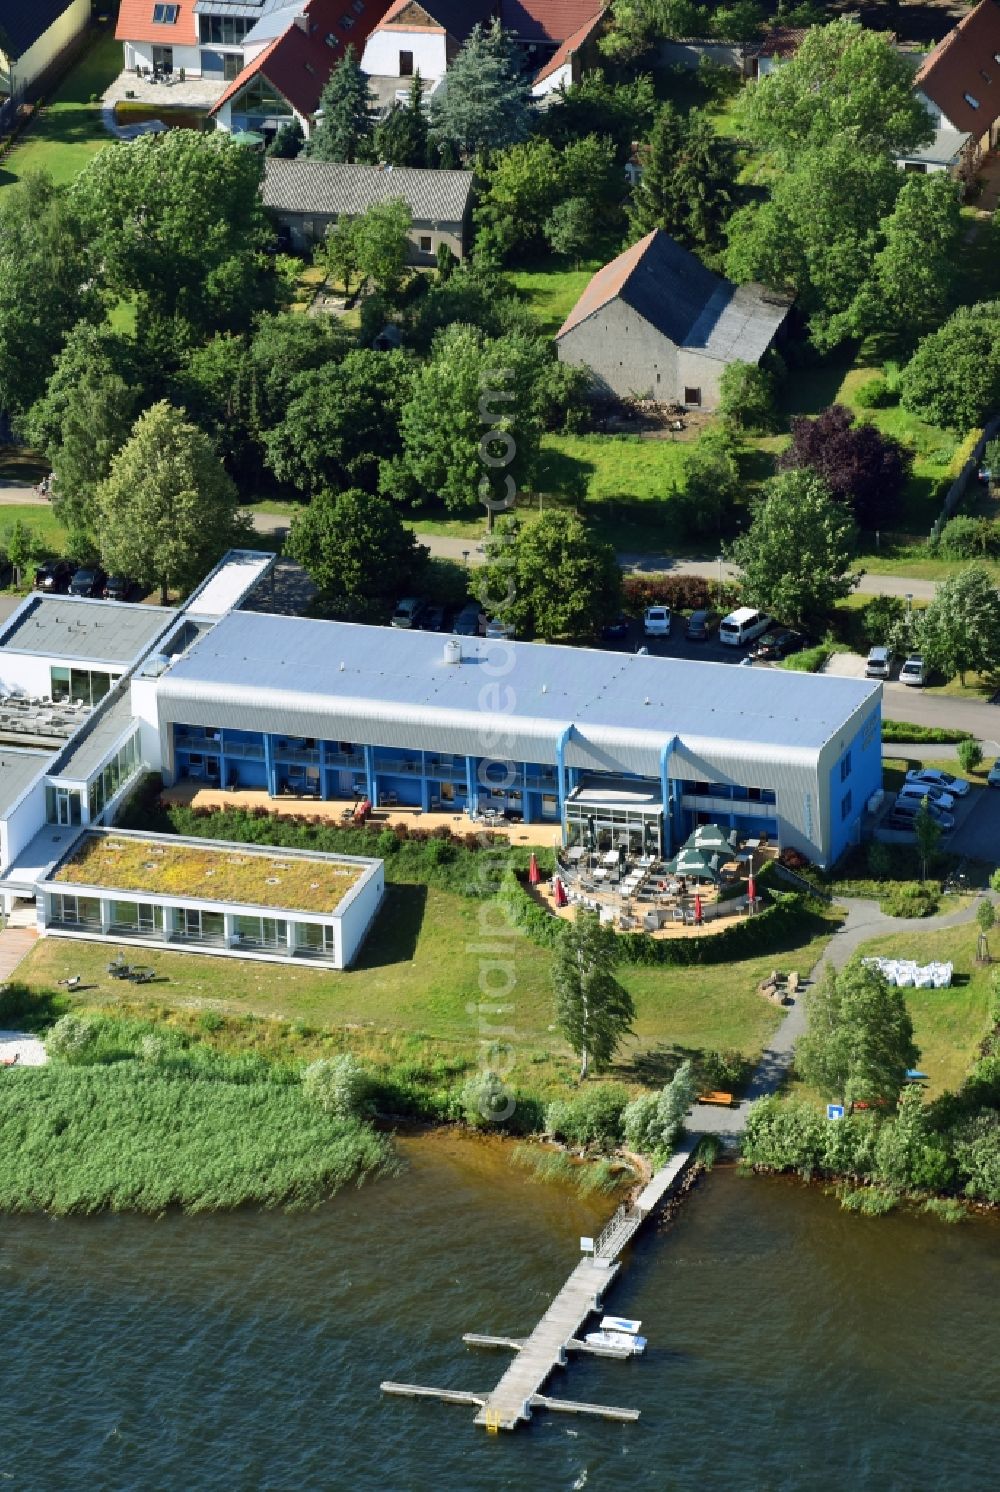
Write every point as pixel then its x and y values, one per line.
pixel 677 645
pixel 977 825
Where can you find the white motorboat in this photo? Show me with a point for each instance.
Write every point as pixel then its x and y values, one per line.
pixel 618 1332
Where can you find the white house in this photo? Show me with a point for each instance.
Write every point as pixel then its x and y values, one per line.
pixel 32 35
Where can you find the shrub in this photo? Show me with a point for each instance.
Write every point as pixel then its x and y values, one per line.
pixel 210 1021
pixel 592 1117
pixel 440 852
pixel 387 844
pixel 970 755
pixel 784 1135
pixel 654 1121
pixel 969 538
pixel 71 1039
pixel 486 1100
pixel 682 592
pixel 339 1086
pixel 909 899
pixel 747 397
pixel 876 394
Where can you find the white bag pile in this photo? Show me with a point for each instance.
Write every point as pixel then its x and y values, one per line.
pixel 905 974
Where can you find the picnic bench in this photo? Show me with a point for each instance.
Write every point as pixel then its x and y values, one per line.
pixel 725 1100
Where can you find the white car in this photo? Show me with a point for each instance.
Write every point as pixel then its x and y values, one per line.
pixel 656 621
pixel 934 777
pixel 913 672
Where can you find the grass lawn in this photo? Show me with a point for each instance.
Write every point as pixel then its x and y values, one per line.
pixel 69 130
pixel 414 996
pixel 50 532
pixel 948 1023
pixel 552 293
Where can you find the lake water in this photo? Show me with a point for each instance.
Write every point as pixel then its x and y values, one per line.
pixel 791 1345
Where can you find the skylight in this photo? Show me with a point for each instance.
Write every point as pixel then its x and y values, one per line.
pixel 973 103
pixel 165 15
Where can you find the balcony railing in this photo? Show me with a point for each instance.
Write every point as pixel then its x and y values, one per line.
pixel 248 751
pixel 304 754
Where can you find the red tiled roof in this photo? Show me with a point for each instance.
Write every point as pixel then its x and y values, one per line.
pixel 780 41
pixel 135 23
pixel 299 62
pixel 608 282
pixel 967 61
pixel 548 20
pixel 570 45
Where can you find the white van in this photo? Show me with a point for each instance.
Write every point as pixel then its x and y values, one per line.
pixel 743 626
pixel 879 664
pixel 656 621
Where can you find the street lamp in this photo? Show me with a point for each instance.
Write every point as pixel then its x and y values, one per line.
pixel 465 556
pixel 721 557
pixel 909 611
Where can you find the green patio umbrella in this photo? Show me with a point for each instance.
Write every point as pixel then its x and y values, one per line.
pixel 248 137
pixel 691 862
pixel 710 839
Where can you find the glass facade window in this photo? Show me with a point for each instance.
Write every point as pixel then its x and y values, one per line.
pixel 62 806
pixel 76 911
pixel 89 685
pixel 309 937
pixel 224 31
pixel 262 932
pixel 258 100
pixel 113 776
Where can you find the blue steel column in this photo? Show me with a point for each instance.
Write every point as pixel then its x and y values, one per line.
pixel 425 787
pixel 472 796
pixel 666 788
pixel 370 774
pixel 321 744
pixel 561 779
pixel 269 768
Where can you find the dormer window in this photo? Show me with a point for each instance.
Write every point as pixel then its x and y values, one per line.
pixel 973 103
pixel 165 15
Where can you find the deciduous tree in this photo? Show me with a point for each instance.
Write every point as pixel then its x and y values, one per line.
pixel 794 560
pixel 516 582
pixel 844 81
pixel 859 1044
pixel 960 629
pixel 593 1011
pixel 359 553
pixel 168 510
pixel 864 469
pixel 909 287
pixel 953 378
pixel 747 397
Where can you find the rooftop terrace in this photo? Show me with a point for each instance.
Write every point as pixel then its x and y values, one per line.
pixel 237 874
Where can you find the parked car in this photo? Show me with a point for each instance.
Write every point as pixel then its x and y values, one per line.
pixel 88 581
pixel 433 619
pixel 700 624
pixel 910 807
pixel 466 624
pixel 54 576
pixel 778 645
pixel 900 822
pixel 993 776
pixel 879 664
pixel 408 613
pixel 936 777
pixel 498 631
pixel 118 588
pixel 656 621
pixel 617 628
pixel 921 790
pixel 913 671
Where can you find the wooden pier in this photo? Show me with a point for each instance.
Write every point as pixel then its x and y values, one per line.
pixel 557 1334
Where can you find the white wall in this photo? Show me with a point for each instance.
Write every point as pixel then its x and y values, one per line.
pixel 48 46
pixel 140 54
pixel 562 77
pixel 357 916
pixel 381 55
pixel 23 673
pixel 17 831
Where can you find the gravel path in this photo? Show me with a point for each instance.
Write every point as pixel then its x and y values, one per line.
pixel 28 1050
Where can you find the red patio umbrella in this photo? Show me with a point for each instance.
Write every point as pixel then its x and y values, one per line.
pixel 751 889
pixel 697 910
pixel 534 875
pixel 562 900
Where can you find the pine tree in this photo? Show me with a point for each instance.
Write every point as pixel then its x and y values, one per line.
pixel 485 104
pixel 344 130
pixel 686 176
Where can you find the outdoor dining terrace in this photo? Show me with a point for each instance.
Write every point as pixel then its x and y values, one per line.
pixel 710 883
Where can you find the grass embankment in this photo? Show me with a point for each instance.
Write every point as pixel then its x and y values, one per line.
pixel 137 1137
pixel 412 1002
pixel 950 1023
pixel 69 130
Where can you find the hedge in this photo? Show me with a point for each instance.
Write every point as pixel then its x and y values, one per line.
pixel 682 592
pixel 750 936
pixel 904 733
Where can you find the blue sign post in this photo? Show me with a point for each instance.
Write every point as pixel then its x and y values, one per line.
pixel 835 1111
